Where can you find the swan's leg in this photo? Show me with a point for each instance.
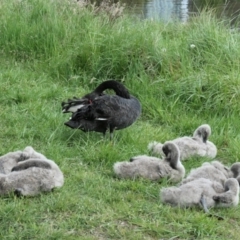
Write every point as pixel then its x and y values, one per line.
pixel 111 129
pixel 111 136
pixel 104 135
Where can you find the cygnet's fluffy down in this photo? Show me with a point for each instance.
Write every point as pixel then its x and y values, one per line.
pixel 198 145
pixel 192 194
pixel 31 173
pixel 214 171
pixel 153 168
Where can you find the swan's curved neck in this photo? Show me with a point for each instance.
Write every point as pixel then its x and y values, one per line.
pixel 118 88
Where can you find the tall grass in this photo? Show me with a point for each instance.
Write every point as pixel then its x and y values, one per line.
pixel 183 74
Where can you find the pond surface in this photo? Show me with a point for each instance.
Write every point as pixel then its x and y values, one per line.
pixel 181 9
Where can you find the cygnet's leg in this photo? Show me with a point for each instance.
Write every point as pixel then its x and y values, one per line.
pixel 203 203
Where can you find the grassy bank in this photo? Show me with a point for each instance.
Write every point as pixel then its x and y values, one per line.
pixel 184 75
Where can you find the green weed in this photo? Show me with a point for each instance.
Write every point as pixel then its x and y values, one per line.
pixel 183 74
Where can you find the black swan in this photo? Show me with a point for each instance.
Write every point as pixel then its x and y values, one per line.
pixel 99 112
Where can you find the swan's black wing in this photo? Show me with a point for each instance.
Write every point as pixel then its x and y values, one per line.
pixel 73 105
pixel 101 108
pixel 88 125
pixel 84 119
pixel 106 107
pixel 84 112
pixel 117 111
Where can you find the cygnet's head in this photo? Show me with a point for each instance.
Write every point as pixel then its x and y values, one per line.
pixel 172 153
pixel 203 132
pixel 32 153
pixel 231 184
pixel 235 168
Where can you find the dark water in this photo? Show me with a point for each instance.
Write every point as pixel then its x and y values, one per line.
pixel 181 9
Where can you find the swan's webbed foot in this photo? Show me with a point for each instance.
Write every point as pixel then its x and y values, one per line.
pixel 18 192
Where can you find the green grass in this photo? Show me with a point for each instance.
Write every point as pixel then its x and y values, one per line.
pixel 54 50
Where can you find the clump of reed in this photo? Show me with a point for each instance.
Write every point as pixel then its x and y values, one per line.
pixel 113 10
pixel 193 65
